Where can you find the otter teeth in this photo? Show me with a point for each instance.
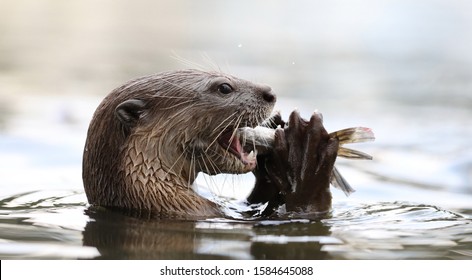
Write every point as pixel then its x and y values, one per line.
pixel 249 158
pixel 252 156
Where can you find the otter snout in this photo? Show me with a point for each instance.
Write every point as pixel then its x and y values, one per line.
pixel 267 94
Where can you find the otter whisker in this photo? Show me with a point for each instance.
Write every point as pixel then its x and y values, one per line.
pixel 224 121
pixel 171 168
pixel 236 126
pixel 172 97
pixel 236 123
pixel 252 139
pixel 208 184
pixel 176 115
pixel 188 185
pixel 179 104
pixel 210 168
pixel 209 60
pixel 187 62
pixel 244 137
pixel 215 168
pixel 270 122
pixel 178 86
pixel 191 168
pixel 219 134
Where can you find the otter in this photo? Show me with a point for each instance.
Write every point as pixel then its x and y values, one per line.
pixel 149 138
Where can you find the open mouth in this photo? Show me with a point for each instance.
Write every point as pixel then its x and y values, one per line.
pixel 231 142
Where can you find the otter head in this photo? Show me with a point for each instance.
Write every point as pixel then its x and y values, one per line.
pixel 151 136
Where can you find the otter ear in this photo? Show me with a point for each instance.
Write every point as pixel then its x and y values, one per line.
pixel 130 111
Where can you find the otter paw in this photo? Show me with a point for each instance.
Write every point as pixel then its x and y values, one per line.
pixel 300 165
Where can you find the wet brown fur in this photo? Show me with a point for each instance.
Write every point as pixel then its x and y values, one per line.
pixel 146 156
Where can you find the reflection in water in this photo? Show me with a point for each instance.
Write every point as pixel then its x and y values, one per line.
pixel 119 236
pixel 36 229
pixel 291 240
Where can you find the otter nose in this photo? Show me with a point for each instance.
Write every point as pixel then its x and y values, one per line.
pixel 268 95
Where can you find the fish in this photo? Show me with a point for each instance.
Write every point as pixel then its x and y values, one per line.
pixel 261 139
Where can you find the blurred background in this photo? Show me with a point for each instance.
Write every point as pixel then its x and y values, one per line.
pixel 401 67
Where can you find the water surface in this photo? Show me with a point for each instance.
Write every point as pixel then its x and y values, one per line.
pixel 59 225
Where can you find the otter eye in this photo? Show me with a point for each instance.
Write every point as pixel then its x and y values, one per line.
pixel 225 88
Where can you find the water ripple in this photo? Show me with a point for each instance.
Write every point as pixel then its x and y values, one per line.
pixel 57 224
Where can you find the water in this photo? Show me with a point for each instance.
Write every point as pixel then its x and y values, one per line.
pixel 403 68
pixel 60 225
